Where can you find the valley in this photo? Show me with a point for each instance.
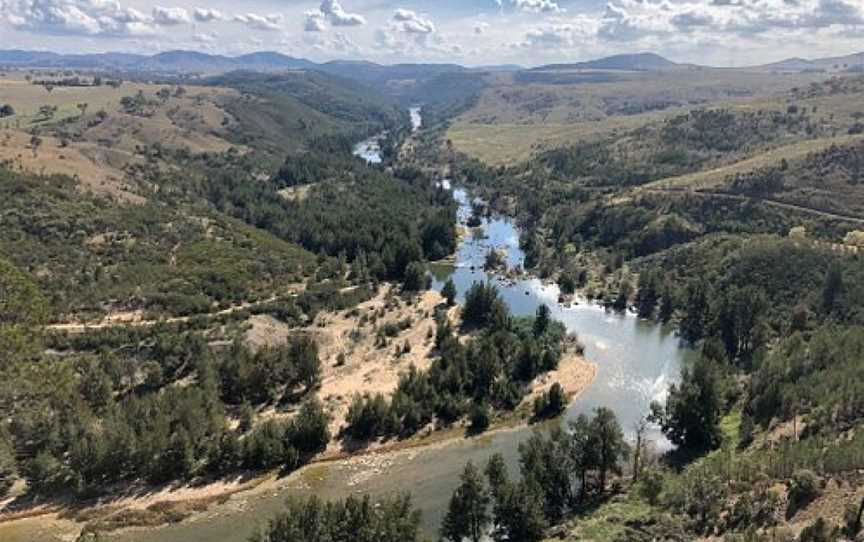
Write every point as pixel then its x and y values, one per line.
pixel 227 294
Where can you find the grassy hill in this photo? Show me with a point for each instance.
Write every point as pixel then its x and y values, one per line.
pixel 91 257
pixel 517 116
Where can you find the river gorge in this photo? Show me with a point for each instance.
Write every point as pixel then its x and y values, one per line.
pixel 636 361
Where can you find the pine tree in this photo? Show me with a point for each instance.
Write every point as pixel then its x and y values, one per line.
pixel 608 440
pixel 449 292
pixel 583 454
pixel 833 288
pixel 667 303
pixel 691 416
pixel 695 312
pixel 541 320
pixel 647 296
pixel 467 515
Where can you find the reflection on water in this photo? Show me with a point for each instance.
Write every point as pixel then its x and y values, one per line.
pixel 416 119
pixel 370 149
pixel 636 361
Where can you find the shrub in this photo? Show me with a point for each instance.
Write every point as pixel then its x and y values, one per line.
pixel 480 418
pixel 804 488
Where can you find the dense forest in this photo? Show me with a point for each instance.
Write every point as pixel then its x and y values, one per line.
pixel 215 239
pixel 155 409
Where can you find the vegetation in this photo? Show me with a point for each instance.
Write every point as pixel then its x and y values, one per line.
pixel 736 223
pixel 765 292
pixel 354 518
pixel 490 371
pixel 559 473
pixel 88 252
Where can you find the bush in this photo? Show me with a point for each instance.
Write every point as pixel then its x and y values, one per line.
pixel 804 488
pixel 650 486
pixel 480 418
pixel 818 531
pixel 551 403
pixel 415 278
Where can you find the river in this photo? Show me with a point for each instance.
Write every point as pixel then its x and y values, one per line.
pixel 370 149
pixel 636 359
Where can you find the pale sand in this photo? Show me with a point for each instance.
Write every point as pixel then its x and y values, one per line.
pixel 367 369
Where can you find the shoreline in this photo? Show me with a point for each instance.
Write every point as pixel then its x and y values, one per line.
pixel 225 490
pixel 575 373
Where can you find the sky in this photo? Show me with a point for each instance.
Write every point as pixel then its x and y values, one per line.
pixel 469 32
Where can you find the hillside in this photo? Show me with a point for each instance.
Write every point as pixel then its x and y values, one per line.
pixel 215 311
pixel 514 118
pixel 736 220
pixel 628 62
pixel 94 258
pixel 838 64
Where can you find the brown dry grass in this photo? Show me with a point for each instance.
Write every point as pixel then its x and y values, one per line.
pixel 83 161
pixel 512 121
pixel 351 336
pixel 100 151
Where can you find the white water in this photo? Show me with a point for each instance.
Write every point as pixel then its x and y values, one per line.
pixel 370 149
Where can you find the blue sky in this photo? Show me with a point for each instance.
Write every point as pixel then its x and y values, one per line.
pixel 473 32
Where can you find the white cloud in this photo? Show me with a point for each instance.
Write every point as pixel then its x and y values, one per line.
pixel 631 20
pixel 551 37
pixel 76 17
pixel 538 6
pixel 260 22
pixel 205 37
pixel 337 15
pixel 204 15
pixel 411 23
pixel 719 32
pixel 386 40
pixel 315 22
pixel 344 44
pixel 170 16
pixel 332 12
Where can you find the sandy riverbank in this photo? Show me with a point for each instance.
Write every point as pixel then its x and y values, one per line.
pixel 352 362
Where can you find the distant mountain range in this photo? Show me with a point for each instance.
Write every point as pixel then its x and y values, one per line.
pixel 171 61
pixel 853 62
pixel 175 62
pixel 629 62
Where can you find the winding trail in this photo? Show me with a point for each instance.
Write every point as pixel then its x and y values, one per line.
pixel 131 321
pixel 766 201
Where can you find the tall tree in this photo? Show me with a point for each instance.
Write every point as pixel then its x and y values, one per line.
pixel 667 303
pixel 583 454
pixel 691 416
pixel 608 439
pixel 541 320
pixel 449 292
pixel 648 294
pixel 740 322
pixel 467 515
pixel 695 311
pixel 832 289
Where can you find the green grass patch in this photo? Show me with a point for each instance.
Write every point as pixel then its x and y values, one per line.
pixel 730 427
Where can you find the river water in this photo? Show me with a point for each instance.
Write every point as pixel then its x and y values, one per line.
pixel 636 359
pixel 370 149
